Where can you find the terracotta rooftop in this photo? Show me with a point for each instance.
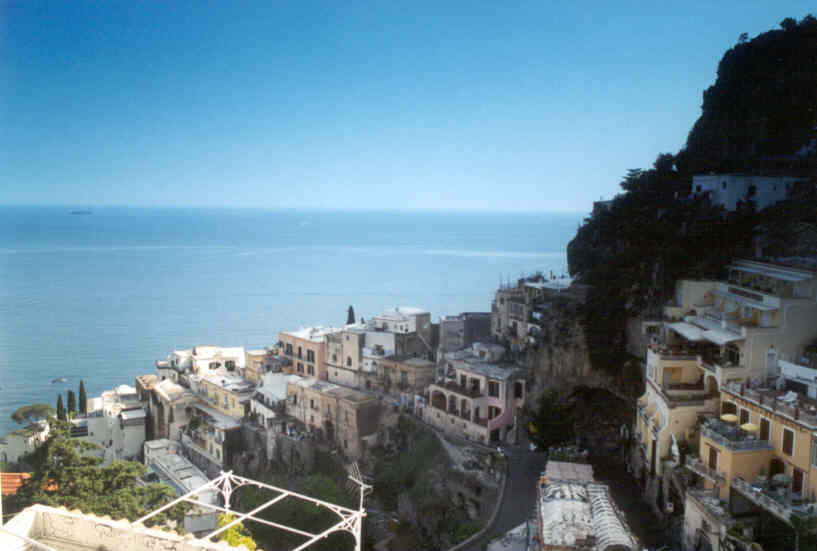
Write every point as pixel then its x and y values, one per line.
pixel 11 482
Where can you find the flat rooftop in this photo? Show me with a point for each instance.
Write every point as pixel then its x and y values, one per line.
pixel 314 334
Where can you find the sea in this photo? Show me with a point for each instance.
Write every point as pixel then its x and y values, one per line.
pixel 100 295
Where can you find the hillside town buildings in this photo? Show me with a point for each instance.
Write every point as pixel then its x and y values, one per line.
pixel 730 380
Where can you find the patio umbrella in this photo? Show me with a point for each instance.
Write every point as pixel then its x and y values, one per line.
pixel 750 427
pixel 729 417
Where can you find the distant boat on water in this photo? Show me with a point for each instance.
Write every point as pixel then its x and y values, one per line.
pixel 59 380
pixel 80 212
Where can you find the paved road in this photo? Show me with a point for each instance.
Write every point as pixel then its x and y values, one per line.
pixel 520 492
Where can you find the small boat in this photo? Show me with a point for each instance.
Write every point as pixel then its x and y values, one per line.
pixel 59 380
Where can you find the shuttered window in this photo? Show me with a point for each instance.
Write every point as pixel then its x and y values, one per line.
pixel 788 442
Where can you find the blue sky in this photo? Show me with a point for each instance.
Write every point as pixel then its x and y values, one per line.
pixel 475 105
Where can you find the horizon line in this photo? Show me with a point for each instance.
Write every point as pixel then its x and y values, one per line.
pixel 454 210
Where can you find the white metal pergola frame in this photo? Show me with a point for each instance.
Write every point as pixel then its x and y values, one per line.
pixel 351 520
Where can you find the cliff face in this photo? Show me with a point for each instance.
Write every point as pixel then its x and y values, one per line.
pixel 561 357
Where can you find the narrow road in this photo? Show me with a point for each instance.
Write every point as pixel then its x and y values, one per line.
pixel 520 492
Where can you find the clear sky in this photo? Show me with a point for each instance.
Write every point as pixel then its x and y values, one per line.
pixel 472 105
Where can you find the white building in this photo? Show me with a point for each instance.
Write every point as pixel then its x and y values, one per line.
pixel 270 396
pixel 201 358
pixel 574 512
pixel 115 422
pixel 727 189
pixel 164 458
pixel 23 441
pixel 402 319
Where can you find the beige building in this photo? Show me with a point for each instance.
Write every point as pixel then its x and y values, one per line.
pixel 261 361
pixel 406 375
pixel 211 439
pixel 341 415
pixel 760 469
pixel 719 332
pixel 516 311
pixel 306 349
pixel 169 409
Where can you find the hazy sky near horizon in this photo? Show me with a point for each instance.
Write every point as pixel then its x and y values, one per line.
pixel 473 105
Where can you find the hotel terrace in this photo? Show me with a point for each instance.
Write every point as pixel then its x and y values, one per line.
pixel 716 332
pixel 758 466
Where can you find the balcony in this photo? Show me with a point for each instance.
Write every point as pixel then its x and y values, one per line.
pixel 775 498
pixel 710 501
pixel 698 467
pixel 469 392
pixel 800 409
pixel 733 438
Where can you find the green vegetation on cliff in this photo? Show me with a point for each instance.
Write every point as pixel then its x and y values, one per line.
pixel 759 116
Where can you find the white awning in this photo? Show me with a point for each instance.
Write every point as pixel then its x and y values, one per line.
pixel 721 336
pixel 703 322
pixel 745 301
pixel 780 273
pixel 687 330
pixel 133 414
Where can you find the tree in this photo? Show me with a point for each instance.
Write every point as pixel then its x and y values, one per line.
pixel 61 415
pixel 788 24
pixel 743 38
pixel 32 413
pixel 72 403
pixel 63 476
pixel 236 534
pixel 350 316
pixel 550 423
pixel 83 398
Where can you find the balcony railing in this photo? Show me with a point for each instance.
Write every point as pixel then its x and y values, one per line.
pixel 469 392
pixel 779 504
pixel 698 467
pixel 735 440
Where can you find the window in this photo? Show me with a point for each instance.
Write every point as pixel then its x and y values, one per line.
pixel 310 369
pixel 493 389
pixel 300 367
pixel 300 353
pixel 348 361
pixel 814 451
pixel 294 399
pixel 334 358
pixel 463 380
pixel 764 429
pixel 288 350
pixel 744 416
pixel 733 354
pixel 214 365
pixel 518 391
pixel 310 355
pixel 788 441
pixel 311 404
pixel 346 415
pixel 729 407
pixel 230 365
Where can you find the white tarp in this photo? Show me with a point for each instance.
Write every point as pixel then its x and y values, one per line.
pixel 687 330
pixel 721 336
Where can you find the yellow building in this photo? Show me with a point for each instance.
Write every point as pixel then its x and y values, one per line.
pixel 759 465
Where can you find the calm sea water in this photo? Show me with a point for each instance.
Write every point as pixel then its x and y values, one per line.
pixel 100 297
